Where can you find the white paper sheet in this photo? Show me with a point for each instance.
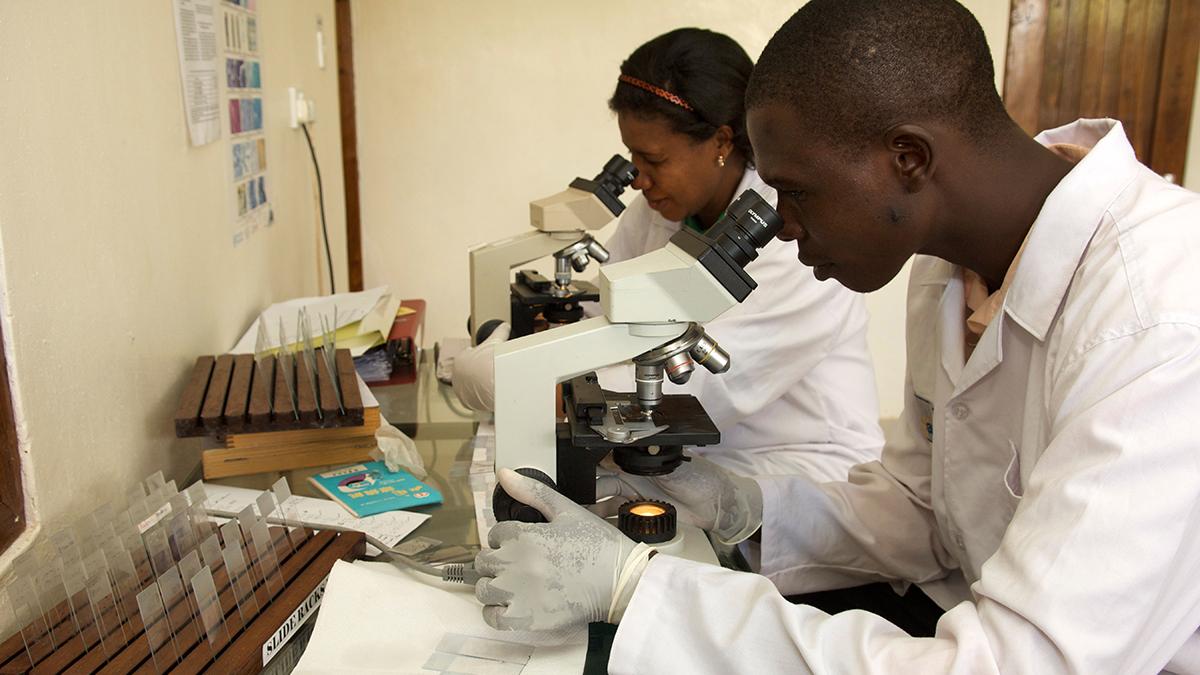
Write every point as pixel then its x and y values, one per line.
pixel 375 308
pixel 389 528
pixel 377 618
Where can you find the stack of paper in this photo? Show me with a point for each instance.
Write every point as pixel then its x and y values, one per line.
pixel 376 618
pixel 362 320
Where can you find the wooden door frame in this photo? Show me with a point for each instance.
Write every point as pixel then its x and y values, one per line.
pixel 347 111
pixel 1174 115
pixel 12 495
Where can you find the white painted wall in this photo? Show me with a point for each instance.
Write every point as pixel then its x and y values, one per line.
pixel 468 110
pixel 118 265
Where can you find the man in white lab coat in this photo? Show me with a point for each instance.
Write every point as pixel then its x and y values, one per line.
pixel 1046 488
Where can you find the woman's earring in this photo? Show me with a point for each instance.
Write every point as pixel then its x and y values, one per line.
pixel 721 160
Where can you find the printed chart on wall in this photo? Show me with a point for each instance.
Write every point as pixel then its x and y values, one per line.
pixel 196 39
pixel 250 205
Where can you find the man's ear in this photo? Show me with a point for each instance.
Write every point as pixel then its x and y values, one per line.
pixel 913 158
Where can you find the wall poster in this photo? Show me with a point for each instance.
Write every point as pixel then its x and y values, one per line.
pixel 247 156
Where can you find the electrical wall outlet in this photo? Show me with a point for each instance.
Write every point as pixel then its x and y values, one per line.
pixel 295 100
pixel 302 110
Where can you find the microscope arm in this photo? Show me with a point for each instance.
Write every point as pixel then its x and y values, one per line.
pixel 558 220
pixel 528 368
pixel 491 265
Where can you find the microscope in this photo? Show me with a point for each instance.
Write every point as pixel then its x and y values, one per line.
pixel 560 222
pixel 653 306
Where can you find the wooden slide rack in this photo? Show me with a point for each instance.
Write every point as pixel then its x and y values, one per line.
pixel 251 645
pixel 232 394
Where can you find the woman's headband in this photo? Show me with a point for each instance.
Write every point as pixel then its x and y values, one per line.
pixel 657 91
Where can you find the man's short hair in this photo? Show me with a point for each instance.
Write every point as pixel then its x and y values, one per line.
pixel 855 68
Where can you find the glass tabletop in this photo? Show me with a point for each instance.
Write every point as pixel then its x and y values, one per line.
pixel 443 430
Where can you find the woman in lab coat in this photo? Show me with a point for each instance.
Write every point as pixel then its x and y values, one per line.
pixel 800 395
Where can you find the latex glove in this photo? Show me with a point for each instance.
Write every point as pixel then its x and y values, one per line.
pixel 705 494
pixel 397 450
pixel 568 572
pixel 474 377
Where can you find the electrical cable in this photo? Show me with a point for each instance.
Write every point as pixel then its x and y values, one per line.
pixel 455 573
pixel 454 406
pixel 321 200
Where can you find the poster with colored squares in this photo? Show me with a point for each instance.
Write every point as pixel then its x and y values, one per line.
pixel 250 205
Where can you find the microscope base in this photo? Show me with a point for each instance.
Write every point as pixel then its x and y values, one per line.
pixel 690 543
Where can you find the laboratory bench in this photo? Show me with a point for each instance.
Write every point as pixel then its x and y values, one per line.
pixel 444 432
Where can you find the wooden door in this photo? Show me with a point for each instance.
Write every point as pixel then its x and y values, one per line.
pixel 1132 60
pixel 12 498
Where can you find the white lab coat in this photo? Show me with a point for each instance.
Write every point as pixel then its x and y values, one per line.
pixel 799 396
pixel 1062 481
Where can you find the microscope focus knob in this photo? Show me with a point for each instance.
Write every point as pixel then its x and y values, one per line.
pixel 506 507
pixel 485 331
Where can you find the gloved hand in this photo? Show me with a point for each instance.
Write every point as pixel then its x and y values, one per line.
pixel 395 449
pixel 568 572
pixel 474 377
pixel 704 494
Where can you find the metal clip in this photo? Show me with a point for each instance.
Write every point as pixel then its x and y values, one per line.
pixel 627 424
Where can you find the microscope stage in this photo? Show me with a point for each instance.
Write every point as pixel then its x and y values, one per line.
pixel 686 421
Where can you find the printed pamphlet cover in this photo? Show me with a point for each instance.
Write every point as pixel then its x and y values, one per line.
pixel 367 489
